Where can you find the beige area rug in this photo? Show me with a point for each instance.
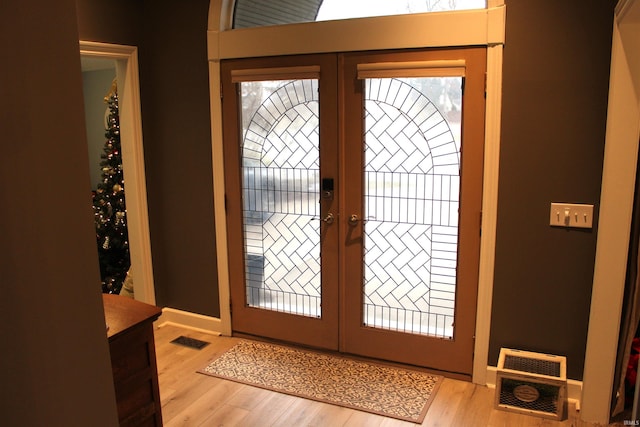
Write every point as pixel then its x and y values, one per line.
pixel 393 392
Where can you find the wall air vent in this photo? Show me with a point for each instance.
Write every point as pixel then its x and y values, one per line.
pixel 531 383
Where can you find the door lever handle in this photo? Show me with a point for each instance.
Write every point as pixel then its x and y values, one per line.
pixel 327 219
pixel 354 219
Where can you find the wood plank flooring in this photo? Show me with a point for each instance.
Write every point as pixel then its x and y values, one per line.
pixel 192 399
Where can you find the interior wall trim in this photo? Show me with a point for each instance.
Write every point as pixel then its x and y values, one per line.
pixel 614 223
pixel 126 59
pixel 219 198
pixel 489 223
pixel 623 7
pixel 481 27
pixel 193 321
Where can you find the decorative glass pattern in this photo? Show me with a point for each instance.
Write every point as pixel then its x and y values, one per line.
pixel 412 187
pixel 280 165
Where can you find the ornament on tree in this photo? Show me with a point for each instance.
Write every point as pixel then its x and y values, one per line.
pixel 109 206
pixel 109 284
pixel 119 219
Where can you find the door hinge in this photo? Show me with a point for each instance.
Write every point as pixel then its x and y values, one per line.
pixel 222 96
pixel 480 225
pixel 485 84
pixel 473 347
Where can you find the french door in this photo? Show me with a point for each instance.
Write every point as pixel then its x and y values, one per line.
pixel 353 189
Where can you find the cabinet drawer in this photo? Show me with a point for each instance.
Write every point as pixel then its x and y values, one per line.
pixel 131 353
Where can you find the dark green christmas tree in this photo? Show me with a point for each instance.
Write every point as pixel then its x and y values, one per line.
pixel 109 207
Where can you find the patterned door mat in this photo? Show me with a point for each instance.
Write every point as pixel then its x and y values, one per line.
pixel 400 393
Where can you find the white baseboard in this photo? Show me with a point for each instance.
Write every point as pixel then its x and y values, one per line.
pixel 185 319
pixel 574 387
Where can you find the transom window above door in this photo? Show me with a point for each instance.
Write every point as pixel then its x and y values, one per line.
pixel 260 13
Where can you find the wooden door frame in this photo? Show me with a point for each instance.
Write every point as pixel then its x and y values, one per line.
pixel 479 27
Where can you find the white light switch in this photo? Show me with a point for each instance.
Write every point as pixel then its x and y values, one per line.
pixel 571 215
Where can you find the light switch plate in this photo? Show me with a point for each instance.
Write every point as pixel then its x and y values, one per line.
pixel 571 215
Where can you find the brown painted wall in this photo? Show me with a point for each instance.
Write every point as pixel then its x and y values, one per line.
pixel 177 131
pixel 55 361
pixel 556 74
pixel 174 86
pixel 113 21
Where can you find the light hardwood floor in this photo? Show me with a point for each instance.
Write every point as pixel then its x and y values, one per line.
pixel 192 399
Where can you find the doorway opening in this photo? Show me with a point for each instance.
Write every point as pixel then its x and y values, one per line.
pixel 123 61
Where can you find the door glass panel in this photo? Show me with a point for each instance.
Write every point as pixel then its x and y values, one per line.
pixel 280 173
pixel 412 187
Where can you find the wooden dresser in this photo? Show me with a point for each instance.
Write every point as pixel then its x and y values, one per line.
pixel 133 359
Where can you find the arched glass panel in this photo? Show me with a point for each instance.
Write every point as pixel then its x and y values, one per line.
pixel 259 13
pixel 412 187
pixel 281 175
